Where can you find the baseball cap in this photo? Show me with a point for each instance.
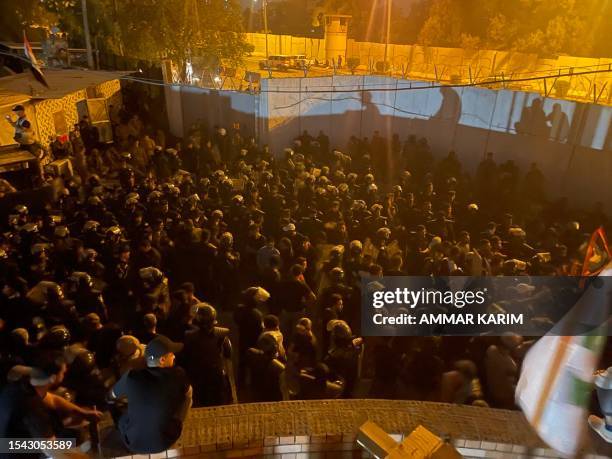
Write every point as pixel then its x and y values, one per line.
pixel 160 346
pixel 18 108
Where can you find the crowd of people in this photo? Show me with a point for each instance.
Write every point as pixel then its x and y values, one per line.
pixel 245 265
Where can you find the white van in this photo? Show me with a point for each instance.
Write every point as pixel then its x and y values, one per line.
pixel 300 61
pixel 276 62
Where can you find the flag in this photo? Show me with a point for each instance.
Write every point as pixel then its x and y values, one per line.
pixel 597 254
pixel 34 67
pixel 556 379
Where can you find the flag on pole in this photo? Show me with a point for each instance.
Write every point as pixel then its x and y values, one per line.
pixel 34 67
pixel 554 388
pixel 597 254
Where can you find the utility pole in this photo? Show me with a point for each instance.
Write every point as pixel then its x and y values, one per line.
pixel 389 7
pixel 90 61
pixel 265 12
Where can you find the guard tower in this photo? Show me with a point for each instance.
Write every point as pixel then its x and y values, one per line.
pixel 336 29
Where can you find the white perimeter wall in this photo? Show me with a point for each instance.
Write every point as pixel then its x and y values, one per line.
pixel 574 153
pixel 187 105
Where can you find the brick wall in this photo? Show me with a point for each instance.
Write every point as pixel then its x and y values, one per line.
pixel 327 429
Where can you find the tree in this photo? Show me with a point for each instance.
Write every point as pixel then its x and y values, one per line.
pixel 443 24
pixel 27 14
pixel 532 26
pixel 289 17
pixel 213 29
pixel 210 30
pixel 180 29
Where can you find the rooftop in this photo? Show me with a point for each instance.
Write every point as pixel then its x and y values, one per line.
pixel 24 86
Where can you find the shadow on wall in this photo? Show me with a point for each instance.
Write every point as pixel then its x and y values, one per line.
pixel 569 141
pixel 558 121
pixel 190 105
pixel 564 138
pixel 378 103
pixel 450 108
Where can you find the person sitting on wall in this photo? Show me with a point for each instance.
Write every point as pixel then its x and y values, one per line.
pixel 158 399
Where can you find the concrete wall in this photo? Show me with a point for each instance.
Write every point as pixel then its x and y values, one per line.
pixel 463 65
pixel 460 65
pixel 570 141
pixel 313 48
pixel 187 105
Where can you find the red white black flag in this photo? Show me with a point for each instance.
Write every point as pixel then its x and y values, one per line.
pixel 34 67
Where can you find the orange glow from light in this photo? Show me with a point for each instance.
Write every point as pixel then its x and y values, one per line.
pixel 371 20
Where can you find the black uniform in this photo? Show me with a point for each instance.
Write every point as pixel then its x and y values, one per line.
pixel 204 359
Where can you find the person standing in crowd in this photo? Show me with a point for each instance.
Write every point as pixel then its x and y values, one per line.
pixel 29 408
pixel 130 355
pixel 303 350
pixel 249 320
pixel 207 359
pixel 330 313
pixel 267 378
pixel 294 296
pixel 149 331
pixel 344 355
pixel 501 371
pixel 272 328
pixel 316 383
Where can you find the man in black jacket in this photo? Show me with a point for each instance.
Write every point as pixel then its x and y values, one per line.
pixel 207 359
pixel 158 399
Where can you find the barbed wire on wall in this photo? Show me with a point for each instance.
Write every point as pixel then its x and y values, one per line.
pixel 493 80
pixel 416 85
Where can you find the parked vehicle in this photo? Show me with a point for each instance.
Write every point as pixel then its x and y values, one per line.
pixel 300 61
pixel 276 62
